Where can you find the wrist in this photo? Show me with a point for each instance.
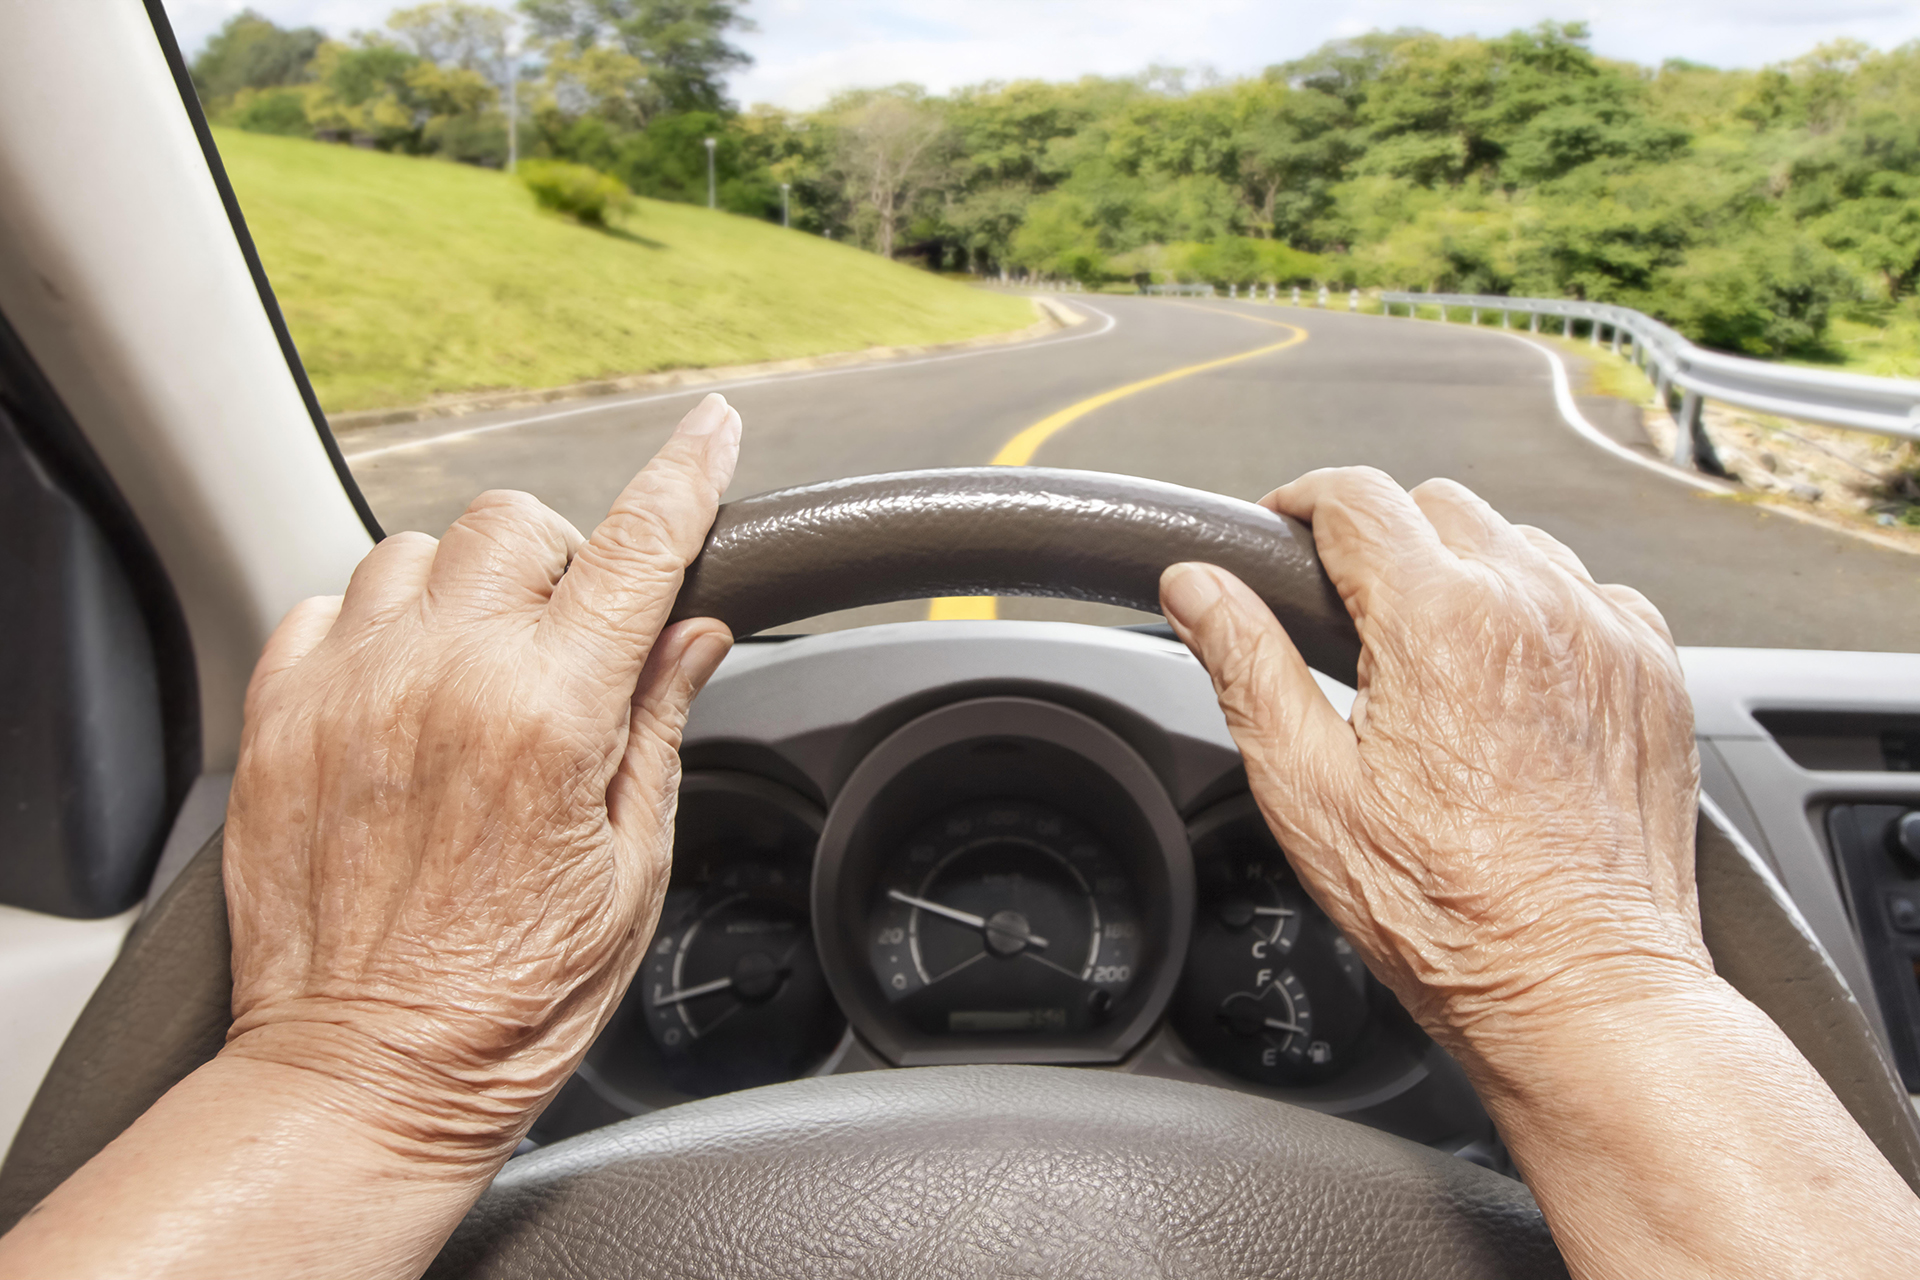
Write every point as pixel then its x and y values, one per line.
pixel 1579 1025
pixel 423 1117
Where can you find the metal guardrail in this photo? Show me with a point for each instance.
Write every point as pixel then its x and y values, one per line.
pixel 1856 402
pixel 1182 290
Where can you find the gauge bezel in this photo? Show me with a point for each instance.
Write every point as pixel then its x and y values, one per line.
pixel 625 1067
pixel 889 794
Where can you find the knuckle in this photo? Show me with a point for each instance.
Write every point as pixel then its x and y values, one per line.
pixel 410 539
pixel 1443 487
pixel 516 520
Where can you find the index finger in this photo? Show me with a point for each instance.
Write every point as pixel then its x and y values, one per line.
pixel 1370 533
pixel 616 594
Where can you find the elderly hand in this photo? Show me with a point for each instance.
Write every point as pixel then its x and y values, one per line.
pixel 1507 822
pixel 1505 832
pixel 452 817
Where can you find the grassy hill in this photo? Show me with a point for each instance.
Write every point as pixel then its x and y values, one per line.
pixel 404 278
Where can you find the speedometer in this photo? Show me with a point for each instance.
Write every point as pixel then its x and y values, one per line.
pixel 1004 916
pixel 1002 880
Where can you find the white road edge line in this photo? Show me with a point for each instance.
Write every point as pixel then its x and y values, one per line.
pixel 601 404
pixel 1570 412
pixel 1571 415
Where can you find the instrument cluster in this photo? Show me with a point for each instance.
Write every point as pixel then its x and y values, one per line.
pixel 1001 879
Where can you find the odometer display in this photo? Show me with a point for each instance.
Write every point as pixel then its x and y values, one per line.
pixel 1003 917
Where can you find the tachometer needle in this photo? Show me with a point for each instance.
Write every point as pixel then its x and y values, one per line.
pixel 693 993
pixel 959 917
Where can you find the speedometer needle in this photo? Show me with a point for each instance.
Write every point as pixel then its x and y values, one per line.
pixel 693 993
pixel 962 917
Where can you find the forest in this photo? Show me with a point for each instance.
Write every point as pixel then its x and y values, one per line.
pixel 1753 209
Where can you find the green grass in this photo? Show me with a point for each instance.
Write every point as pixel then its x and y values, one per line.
pixel 1886 345
pixel 403 279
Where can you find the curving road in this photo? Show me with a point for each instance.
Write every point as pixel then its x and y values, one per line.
pixel 1415 399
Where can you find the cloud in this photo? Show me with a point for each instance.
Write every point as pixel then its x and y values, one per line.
pixel 806 50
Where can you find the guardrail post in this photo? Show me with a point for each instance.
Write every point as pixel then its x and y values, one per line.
pixel 1616 339
pixel 1506 319
pixel 1534 327
pixel 1296 295
pixel 1686 420
pixel 1323 296
pixel 1473 317
pixel 1593 332
pixel 1353 300
pixel 1692 446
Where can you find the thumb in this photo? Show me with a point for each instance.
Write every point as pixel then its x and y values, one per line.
pixel 1294 743
pixel 642 795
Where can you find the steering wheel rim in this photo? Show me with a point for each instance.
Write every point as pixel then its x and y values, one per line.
pixel 1026 531
pixel 164 1007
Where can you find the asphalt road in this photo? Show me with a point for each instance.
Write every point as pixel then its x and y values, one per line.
pixel 1415 399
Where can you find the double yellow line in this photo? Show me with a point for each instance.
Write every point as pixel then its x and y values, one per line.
pixel 1019 451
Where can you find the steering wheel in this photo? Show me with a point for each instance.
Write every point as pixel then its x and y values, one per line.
pixel 986 1170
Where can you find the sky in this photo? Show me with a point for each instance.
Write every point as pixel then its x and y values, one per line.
pixel 806 50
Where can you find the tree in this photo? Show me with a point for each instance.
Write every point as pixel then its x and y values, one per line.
pixel 250 52
pixel 361 93
pixel 1345 69
pixel 681 42
pixel 1525 108
pixel 457 35
pixel 1290 147
pixel 888 149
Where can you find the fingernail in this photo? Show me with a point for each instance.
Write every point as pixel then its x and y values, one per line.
pixel 703 657
pixel 1187 592
pixel 706 417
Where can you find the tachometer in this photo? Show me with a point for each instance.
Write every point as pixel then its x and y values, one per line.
pixel 1004 916
pixel 731 988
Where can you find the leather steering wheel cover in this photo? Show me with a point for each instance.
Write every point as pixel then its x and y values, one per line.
pixel 1031 531
pixel 997 1171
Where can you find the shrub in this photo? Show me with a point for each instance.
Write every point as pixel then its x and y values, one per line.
pixel 575 190
pixel 282 111
pixel 1767 296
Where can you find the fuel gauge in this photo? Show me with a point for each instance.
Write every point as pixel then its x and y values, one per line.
pixel 1271 991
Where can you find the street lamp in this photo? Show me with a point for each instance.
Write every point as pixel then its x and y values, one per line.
pixel 785 219
pixel 710 203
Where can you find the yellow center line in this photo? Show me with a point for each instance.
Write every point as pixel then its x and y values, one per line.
pixel 1019 451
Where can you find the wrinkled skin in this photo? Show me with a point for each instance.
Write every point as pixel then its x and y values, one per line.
pixel 1504 829
pixel 451 823
pixel 1512 806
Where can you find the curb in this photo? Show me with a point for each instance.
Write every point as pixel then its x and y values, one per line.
pixel 1053 316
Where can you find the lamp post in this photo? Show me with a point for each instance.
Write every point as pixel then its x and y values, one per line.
pixel 710 203
pixel 785 213
pixel 513 111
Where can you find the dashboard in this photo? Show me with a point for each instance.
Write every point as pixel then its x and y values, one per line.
pixel 927 844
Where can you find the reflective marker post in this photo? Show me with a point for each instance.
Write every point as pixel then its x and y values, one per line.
pixel 785 219
pixel 710 202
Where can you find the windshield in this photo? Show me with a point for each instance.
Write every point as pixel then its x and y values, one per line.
pixel 1201 244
